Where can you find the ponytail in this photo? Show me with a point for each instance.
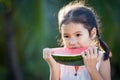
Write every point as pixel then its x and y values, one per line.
pixel 105 48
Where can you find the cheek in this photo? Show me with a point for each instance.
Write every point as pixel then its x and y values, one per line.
pixel 84 41
pixel 65 41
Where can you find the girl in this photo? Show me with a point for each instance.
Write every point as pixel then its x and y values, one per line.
pixel 78 26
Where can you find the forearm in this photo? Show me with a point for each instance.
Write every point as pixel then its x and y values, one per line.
pixel 95 75
pixel 54 72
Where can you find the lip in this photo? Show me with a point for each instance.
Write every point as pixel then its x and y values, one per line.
pixel 74 47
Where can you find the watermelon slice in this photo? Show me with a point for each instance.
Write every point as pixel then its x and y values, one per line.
pixel 68 56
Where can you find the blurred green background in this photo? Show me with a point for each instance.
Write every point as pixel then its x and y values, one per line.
pixel 28 26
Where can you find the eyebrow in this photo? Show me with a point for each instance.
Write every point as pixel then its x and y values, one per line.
pixel 78 32
pixel 73 33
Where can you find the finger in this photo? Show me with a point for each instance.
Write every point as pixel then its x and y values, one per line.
pixel 100 55
pixel 95 49
pixel 91 52
pixel 87 54
pixel 83 55
pixel 52 51
pixel 46 52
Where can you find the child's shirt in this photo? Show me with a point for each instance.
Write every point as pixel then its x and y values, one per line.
pixel 69 72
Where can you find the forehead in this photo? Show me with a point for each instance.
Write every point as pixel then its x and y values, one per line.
pixel 73 27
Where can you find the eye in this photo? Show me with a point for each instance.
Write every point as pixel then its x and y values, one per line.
pixel 66 36
pixel 78 35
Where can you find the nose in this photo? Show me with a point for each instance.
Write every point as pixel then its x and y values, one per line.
pixel 73 42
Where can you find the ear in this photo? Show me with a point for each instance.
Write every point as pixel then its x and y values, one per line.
pixel 93 33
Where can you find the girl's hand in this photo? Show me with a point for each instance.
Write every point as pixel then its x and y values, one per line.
pixel 47 52
pixel 90 57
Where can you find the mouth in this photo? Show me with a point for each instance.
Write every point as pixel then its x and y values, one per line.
pixel 74 47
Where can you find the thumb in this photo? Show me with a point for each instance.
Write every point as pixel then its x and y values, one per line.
pixel 52 51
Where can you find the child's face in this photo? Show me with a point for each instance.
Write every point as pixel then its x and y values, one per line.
pixel 74 35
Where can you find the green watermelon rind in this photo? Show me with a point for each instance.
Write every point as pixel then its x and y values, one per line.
pixel 69 59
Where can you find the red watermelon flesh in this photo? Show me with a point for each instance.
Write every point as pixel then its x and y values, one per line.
pixel 68 51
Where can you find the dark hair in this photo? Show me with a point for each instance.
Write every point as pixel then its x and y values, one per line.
pixel 78 13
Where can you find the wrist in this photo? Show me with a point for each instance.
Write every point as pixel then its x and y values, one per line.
pixel 92 70
pixel 53 65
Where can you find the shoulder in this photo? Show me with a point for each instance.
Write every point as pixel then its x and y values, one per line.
pixel 105 67
pixel 105 63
